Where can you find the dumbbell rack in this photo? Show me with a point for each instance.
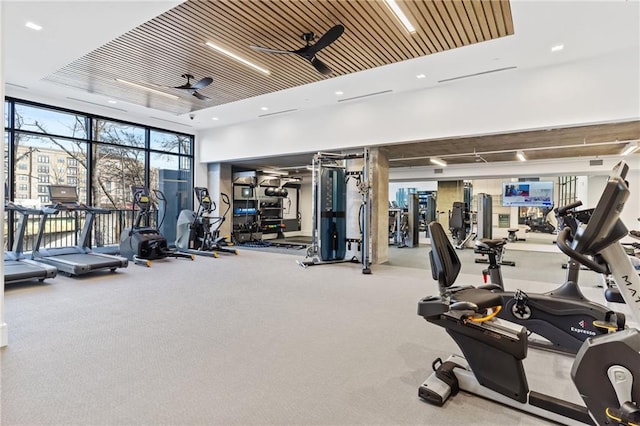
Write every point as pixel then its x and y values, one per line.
pixel 270 211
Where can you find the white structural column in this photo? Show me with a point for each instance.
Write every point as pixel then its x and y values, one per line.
pixel 4 337
pixel 220 181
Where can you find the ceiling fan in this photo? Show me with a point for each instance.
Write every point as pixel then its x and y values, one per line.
pixel 193 88
pixel 309 51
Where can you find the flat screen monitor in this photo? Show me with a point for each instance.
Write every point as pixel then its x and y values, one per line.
pixel 527 194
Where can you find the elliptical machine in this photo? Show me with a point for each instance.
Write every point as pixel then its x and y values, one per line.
pixel 142 244
pixel 605 365
pixel 199 232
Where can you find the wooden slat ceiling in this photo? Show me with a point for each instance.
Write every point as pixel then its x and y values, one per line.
pixel 158 52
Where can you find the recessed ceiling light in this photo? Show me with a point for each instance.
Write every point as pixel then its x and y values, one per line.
pixel 111 101
pixel 438 161
pixel 264 108
pixel 148 89
pixel 214 118
pixel 629 148
pixel 237 58
pixel 557 47
pixel 33 26
pixel 339 92
pixel 419 76
pixel 400 15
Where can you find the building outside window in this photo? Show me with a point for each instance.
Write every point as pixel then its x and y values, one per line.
pixel 120 155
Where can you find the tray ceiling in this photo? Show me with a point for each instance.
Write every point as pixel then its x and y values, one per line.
pixel 158 52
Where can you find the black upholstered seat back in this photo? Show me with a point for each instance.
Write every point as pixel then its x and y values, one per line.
pixel 445 264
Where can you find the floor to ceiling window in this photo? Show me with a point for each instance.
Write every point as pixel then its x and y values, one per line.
pixel 170 171
pixel 103 158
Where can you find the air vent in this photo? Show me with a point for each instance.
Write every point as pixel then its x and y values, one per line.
pixel 96 104
pixel 278 112
pixel 365 96
pixel 595 162
pixel 477 74
pixel 169 121
pixel 17 85
pixel 438 171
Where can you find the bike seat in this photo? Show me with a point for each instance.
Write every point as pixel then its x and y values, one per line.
pixel 480 297
pixel 490 244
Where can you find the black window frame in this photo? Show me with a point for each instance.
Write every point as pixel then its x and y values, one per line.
pixel 87 180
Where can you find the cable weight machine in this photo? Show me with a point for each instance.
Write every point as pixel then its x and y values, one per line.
pixel 329 241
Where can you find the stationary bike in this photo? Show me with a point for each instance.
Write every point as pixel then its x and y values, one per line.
pixel 142 244
pixel 563 316
pixel 605 366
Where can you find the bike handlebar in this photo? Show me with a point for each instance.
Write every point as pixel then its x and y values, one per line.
pixel 561 211
pixel 562 244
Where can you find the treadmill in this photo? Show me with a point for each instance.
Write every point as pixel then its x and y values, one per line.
pixel 78 259
pixel 17 268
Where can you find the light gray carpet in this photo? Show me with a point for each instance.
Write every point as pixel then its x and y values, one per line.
pixel 251 339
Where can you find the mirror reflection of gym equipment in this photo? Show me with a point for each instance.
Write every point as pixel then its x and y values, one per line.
pixel 404 223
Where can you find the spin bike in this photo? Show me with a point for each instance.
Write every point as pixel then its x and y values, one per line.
pixel 492 367
pixel 563 316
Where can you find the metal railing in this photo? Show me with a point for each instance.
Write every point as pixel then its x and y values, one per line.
pixel 64 229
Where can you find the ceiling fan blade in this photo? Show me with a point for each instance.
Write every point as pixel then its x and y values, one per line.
pixel 184 86
pixel 202 83
pixel 327 38
pixel 201 97
pixel 268 50
pixel 320 66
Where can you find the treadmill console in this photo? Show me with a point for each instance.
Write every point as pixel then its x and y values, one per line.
pixel 63 195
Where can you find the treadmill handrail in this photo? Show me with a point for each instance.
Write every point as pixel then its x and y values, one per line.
pixel 21 209
pixel 79 207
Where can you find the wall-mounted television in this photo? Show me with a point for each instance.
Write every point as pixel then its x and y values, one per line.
pixel 527 194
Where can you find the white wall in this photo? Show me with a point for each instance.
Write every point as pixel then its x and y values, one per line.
pixel 3 325
pixel 582 189
pixel 569 94
pixel 306 206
